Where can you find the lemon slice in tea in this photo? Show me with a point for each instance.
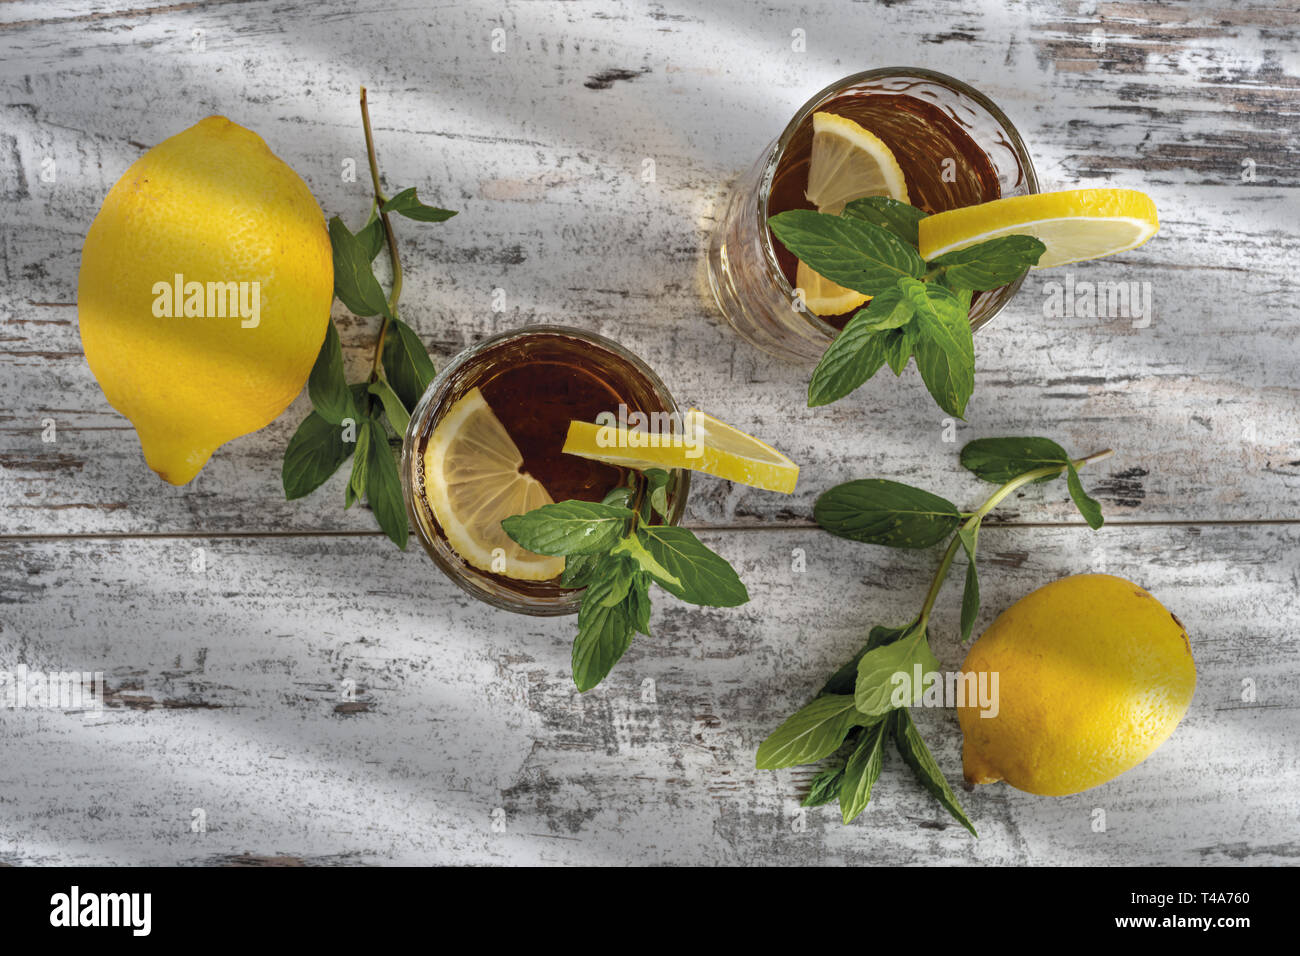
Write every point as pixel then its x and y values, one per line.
pixel 472 481
pixel 1074 224
pixel 709 446
pixel 847 162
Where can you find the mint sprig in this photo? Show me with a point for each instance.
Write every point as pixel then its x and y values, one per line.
pixel 856 712
pixel 614 550
pixel 365 421
pixel 872 248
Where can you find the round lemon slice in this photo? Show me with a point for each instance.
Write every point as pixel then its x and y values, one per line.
pixel 708 446
pixel 473 480
pixel 1075 224
pixel 848 162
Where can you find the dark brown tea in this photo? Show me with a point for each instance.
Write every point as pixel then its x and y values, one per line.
pixel 943 166
pixel 491 445
pixel 535 400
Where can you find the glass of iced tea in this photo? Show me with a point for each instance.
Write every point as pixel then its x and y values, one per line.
pixel 486 440
pixel 955 148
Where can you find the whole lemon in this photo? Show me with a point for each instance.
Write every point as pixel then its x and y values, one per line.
pixel 205 289
pixel 1092 675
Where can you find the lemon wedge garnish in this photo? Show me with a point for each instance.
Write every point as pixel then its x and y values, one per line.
pixel 708 446
pixel 1075 224
pixel 847 163
pixel 472 481
pixel 824 297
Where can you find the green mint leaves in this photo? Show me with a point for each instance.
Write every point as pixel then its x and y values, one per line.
pixel 614 550
pixel 852 252
pixel 865 703
pixel 879 511
pixel 364 421
pixel 406 204
pixel 918 309
pixel 1002 459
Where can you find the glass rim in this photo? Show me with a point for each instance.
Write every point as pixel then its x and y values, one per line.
pixel 437 390
pixel 782 142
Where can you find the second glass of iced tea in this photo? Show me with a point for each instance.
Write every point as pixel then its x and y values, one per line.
pixel 955 147
pixel 523 388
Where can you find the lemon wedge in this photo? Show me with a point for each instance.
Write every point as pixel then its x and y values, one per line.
pixel 848 162
pixel 821 296
pixel 708 446
pixel 1075 224
pixel 472 481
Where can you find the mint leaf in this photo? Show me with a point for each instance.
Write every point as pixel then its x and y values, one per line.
pixel 355 284
pixel 810 733
pixel 406 204
pixel 579 570
pixel 889 214
pixel 570 527
pixel 879 511
pixel 371 238
pixel 844 679
pixel 988 265
pixel 384 488
pixel 859 350
pixel 889 310
pixel 396 412
pixel 849 252
pixel 620 497
pixel 706 578
pixel 850 360
pixel 970 595
pixel 876 685
pixel 610 581
pixel 945 348
pixel 999 460
pixel 604 634
pixel 634 547
pixel 1088 507
pixel 326 384
pixel 356 489
pixel 825 787
pixel 658 482
pixel 917 756
pixel 406 362
pixel 898 345
pixel 637 603
pixel 314 453
pixel 862 771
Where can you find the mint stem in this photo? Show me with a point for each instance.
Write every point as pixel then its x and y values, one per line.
pixel 992 502
pixel 389 240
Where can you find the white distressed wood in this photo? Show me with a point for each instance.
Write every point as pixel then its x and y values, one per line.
pixel 228 682
pixel 234 679
pixel 547 173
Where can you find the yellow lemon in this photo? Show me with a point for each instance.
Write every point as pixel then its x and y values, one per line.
pixel 205 289
pixel 1093 674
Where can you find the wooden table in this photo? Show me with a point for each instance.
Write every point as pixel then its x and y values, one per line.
pixel 231 625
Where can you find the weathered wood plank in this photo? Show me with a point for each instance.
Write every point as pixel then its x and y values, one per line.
pixel 542 147
pixel 459 712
